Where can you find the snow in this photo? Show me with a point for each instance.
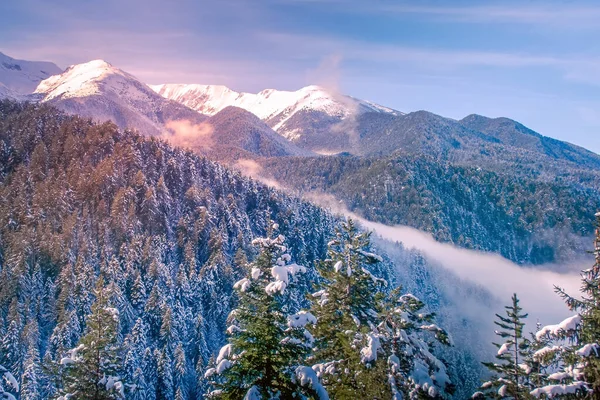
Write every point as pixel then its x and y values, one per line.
pixel 224 353
pixel 541 353
pixel 338 266
pixel 255 273
pixel 525 368
pixel 224 365
pixel 308 377
pixel 502 391
pixel 369 352
pixel 301 319
pixel 243 284
pixel 281 275
pixel 8 376
pixel 73 355
pixel 276 105
pixel 113 312
pixel 567 325
pixel 559 376
pixel 20 77
pixel 253 394
pixel 375 279
pixel 210 372
pixel 371 256
pixel 586 350
pixel 557 390
pixel 505 348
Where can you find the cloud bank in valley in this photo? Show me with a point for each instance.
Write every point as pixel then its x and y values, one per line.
pixel 498 275
pixel 534 285
pixel 184 133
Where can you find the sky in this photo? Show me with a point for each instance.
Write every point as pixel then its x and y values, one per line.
pixel 537 62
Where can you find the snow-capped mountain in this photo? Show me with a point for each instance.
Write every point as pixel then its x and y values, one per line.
pixel 320 110
pixel 20 77
pixel 101 91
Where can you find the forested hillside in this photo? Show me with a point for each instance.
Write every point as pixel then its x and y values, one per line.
pixel 168 230
pixel 526 220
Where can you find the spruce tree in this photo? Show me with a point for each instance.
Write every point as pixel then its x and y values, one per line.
pixel 574 343
pixel 8 384
pixel 510 370
pixel 409 334
pixel 92 370
pixel 267 344
pixel 347 307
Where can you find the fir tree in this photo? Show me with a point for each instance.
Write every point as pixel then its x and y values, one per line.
pixel 511 370
pixel 8 384
pixel 30 380
pixel 574 343
pixel 409 334
pixel 92 370
pixel 347 310
pixel 267 344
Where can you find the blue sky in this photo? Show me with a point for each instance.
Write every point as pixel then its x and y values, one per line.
pixel 534 61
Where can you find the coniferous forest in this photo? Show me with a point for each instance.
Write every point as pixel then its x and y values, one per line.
pixel 131 269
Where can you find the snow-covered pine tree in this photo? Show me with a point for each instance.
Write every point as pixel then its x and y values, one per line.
pixel 92 370
pixel 575 341
pixel 8 384
pixel 512 366
pixel 347 305
pixel 409 335
pixel 267 344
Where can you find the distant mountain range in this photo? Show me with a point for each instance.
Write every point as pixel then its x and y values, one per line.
pixel 304 137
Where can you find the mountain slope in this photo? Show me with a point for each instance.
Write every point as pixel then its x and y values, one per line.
pixel 525 219
pixel 169 231
pixel 299 116
pixel 238 133
pixel 20 77
pixel 515 134
pixel 103 92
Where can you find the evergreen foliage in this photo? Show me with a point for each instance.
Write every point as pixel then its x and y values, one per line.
pixel 409 336
pixel 528 218
pixel 572 345
pixel 267 343
pixel 162 226
pixel 93 369
pixel 513 366
pixel 346 306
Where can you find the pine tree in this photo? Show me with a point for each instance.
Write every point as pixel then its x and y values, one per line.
pixel 510 371
pixel 92 370
pixel 575 347
pixel 347 309
pixel 409 334
pixel 267 343
pixel 30 380
pixel 8 384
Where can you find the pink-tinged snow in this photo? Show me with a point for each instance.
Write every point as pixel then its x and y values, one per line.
pixel 92 78
pixel 242 285
pixel 210 99
pixel 559 390
pixel 567 325
pixel 586 350
pixel 20 77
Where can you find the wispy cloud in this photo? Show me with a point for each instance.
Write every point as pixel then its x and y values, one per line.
pixel 543 13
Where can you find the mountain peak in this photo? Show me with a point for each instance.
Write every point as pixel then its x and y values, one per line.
pixel 20 77
pixel 82 80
